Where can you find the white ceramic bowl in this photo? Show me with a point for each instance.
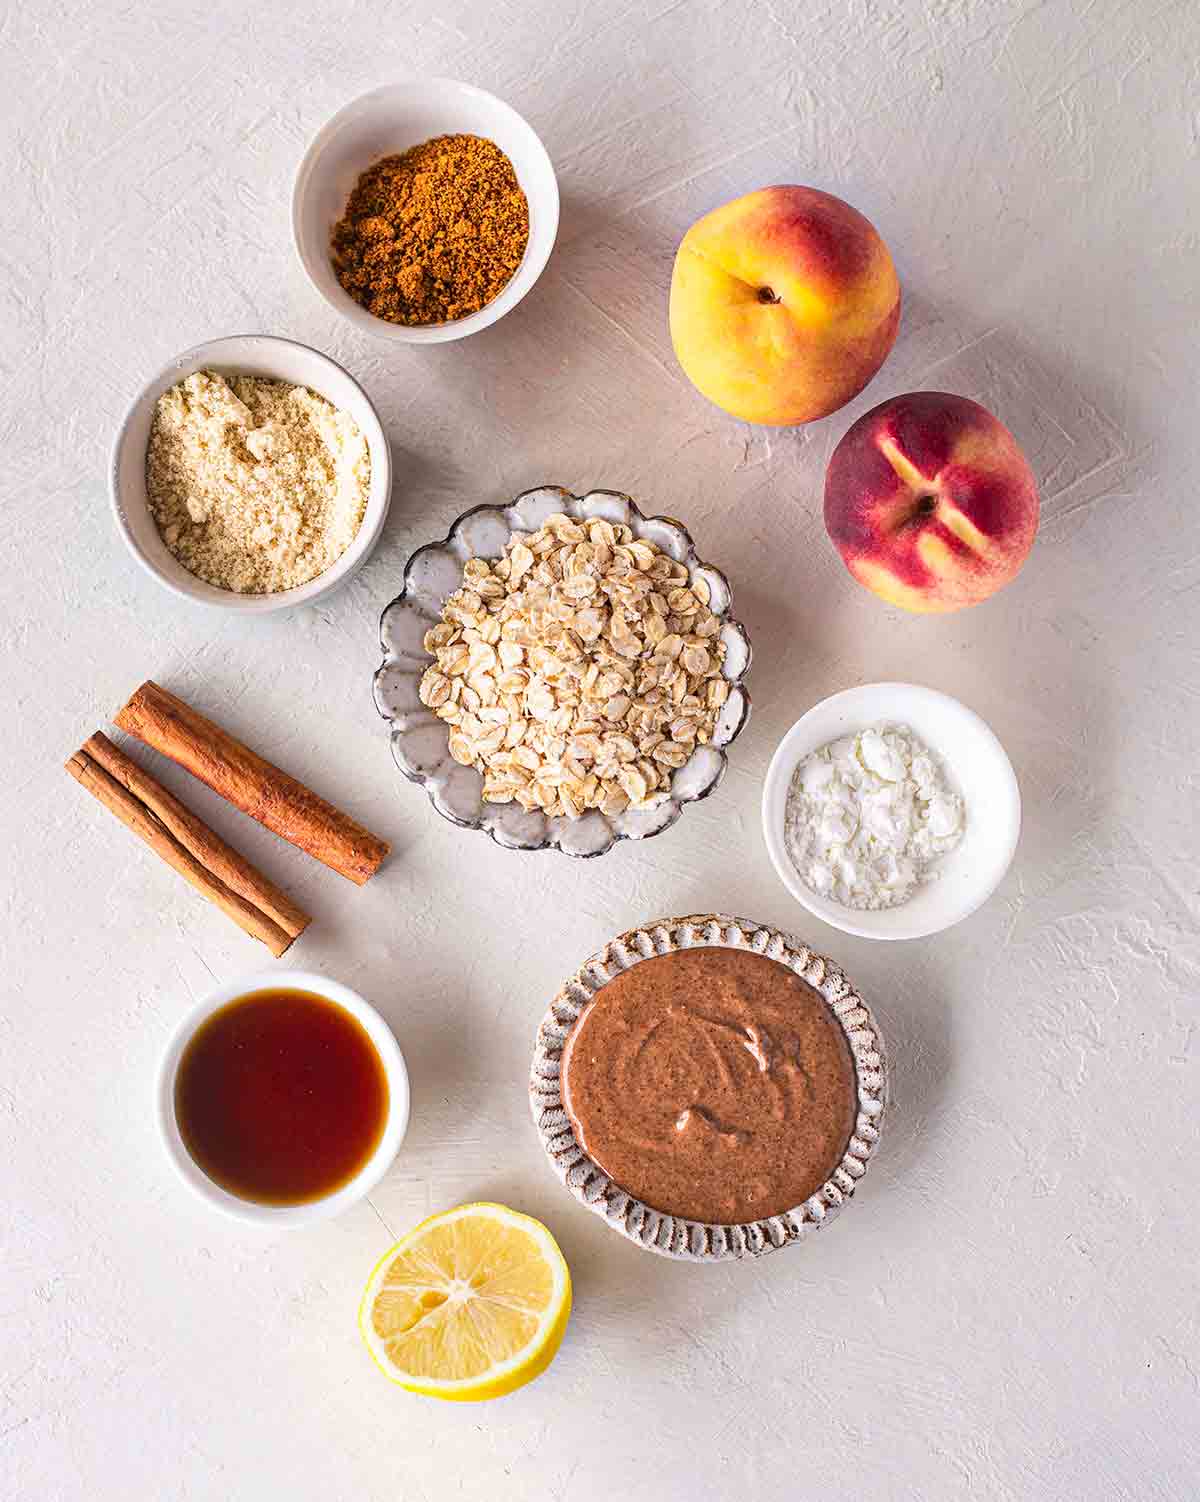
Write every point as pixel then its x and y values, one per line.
pixel 395 1070
pixel 977 765
pixel 390 120
pixel 272 359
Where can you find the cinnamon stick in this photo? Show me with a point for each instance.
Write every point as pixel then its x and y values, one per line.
pixel 203 843
pixel 187 844
pixel 258 788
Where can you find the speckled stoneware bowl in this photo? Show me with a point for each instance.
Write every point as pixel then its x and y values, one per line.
pixel 420 741
pixel 669 1235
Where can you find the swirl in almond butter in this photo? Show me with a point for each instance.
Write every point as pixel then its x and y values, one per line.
pixel 712 1084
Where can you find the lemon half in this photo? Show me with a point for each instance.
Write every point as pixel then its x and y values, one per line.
pixel 472 1304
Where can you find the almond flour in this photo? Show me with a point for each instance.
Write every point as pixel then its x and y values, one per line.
pixel 255 485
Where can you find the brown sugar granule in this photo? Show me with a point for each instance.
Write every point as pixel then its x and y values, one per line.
pixel 434 233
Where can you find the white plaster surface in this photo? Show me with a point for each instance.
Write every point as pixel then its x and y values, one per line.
pixel 1010 1309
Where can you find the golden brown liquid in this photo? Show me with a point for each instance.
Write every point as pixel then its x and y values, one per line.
pixel 281 1097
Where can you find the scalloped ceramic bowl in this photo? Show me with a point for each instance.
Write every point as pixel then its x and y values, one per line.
pixel 671 1235
pixel 420 741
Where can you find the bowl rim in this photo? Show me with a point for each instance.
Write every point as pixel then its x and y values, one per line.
pixel 379 498
pixel 655 1230
pixel 423 781
pixel 350 1193
pixel 783 764
pixel 519 285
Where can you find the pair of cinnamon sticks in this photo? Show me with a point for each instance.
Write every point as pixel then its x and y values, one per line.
pixel 260 789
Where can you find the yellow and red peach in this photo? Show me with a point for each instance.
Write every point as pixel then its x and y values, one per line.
pixel 931 502
pixel 784 304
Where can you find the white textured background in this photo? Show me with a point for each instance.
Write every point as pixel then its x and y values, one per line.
pixel 1010 1309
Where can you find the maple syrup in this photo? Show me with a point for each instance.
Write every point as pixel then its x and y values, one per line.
pixel 281 1097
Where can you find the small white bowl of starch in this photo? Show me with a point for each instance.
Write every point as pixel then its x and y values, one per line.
pixel 891 811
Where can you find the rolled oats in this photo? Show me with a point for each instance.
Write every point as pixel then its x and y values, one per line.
pixel 577 671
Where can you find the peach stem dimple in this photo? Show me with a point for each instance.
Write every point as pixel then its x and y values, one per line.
pixel 925 506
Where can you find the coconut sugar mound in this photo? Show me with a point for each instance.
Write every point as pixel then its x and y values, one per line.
pixel 255 485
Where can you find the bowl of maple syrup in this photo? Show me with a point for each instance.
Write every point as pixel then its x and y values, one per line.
pixel 283 1098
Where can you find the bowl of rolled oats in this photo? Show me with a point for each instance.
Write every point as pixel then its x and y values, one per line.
pixel 563 672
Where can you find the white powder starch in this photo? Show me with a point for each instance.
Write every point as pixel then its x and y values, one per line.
pixel 869 816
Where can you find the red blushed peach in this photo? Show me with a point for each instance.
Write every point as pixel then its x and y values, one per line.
pixel 930 502
pixel 784 304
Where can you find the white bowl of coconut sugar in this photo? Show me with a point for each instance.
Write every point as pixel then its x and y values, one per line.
pixel 251 473
pixel 891 811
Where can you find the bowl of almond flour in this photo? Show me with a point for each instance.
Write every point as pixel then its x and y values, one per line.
pixel 252 474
